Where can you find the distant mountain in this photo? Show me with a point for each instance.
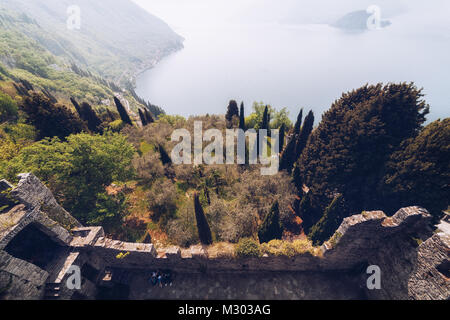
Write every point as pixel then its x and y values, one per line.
pixel 117 38
pixel 357 21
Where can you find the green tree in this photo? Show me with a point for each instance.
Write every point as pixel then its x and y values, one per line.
pixel 347 153
pixel 288 156
pixel 123 112
pixel 49 119
pixel 332 218
pixel 8 108
pixel 281 118
pixel 204 232
pixel 232 111
pixel 242 117
pixel 143 118
pixel 303 137
pixel 271 228
pixel 78 170
pixel 419 173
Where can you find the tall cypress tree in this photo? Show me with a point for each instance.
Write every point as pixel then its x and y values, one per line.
pixel 242 117
pixel 232 111
pixel 165 158
pixel 304 135
pixel 332 218
pixel 204 232
pixel 143 118
pixel 77 106
pixel 271 228
pixel 90 116
pixel 288 157
pixel 282 137
pixel 265 119
pixel 122 112
pixel 148 116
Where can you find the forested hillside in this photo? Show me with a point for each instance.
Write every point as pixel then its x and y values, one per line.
pixel 116 38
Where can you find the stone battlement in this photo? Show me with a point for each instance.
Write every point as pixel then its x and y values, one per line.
pixel 361 240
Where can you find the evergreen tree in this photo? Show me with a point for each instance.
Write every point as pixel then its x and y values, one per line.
pixel 304 135
pixel 148 116
pixel 143 118
pixel 282 137
pixel 265 119
pixel 165 158
pixel 242 117
pixel 271 228
pixel 298 123
pixel 90 116
pixel 122 112
pixel 77 106
pixel 232 111
pixel 289 157
pixel 347 153
pixel 49 119
pixel 204 232
pixel 332 218
pixel 308 211
pixel 419 173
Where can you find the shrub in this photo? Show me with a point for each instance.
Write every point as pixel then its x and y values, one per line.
pixel 8 108
pixel 248 247
pixel 271 227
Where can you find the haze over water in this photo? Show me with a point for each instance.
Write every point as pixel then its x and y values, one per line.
pixel 294 63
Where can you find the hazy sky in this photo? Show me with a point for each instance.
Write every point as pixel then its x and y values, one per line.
pixel 185 13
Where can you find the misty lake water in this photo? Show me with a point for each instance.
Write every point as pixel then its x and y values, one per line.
pixel 298 66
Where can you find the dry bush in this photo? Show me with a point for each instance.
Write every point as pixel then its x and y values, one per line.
pixel 229 222
pixel 183 230
pixel 162 200
pixel 148 167
pixel 261 192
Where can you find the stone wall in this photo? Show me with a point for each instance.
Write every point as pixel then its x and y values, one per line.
pixel 413 260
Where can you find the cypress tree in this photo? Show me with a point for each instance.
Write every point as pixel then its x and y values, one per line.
pixel 271 228
pixel 148 117
pixel 77 106
pixel 242 117
pixel 232 111
pixel 204 232
pixel 90 116
pixel 282 137
pixel 298 123
pixel 304 135
pixel 143 118
pixel 265 119
pixel 165 159
pixel 308 211
pixel 289 157
pixel 122 112
pixel 332 218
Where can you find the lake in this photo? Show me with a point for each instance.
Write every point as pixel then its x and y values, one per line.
pixel 295 66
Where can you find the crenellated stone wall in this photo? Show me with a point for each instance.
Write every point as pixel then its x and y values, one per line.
pixel 413 260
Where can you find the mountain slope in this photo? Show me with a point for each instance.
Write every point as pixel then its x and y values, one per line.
pixel 117 38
